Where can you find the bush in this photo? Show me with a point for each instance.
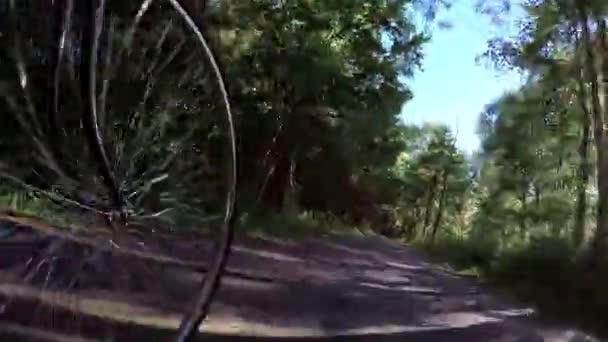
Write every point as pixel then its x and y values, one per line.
pixel 545 271
pixel 544 264
pixel 465 253
pixel 307 223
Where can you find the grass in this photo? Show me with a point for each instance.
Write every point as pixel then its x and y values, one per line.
pixel 20 202
pixel 38 207
pixel 288 225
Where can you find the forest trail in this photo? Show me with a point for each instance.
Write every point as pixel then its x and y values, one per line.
pixel 343 288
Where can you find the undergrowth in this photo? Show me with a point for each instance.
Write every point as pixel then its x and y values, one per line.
pixel 304 224
pixel 546 271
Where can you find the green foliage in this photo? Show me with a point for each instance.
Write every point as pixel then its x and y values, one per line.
pixel 317 87
pixel 544 261
pixel 305 224
pixel 434 181
pixel 539 271
pixel 465 254
pixel 547 269
pixel 540 171
pixel 538 158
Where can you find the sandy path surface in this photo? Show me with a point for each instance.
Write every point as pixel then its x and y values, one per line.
pixel 358 286
pixel 351 289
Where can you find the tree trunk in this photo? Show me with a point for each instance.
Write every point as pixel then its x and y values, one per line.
pixel 581 190
pixel 601 133
pixel 578 232
pixel 273 193
pixel 276 182
pixel 291 193
pixel 410 232
pixel 594 71
pixel 524 209
pixel 440 206
pixel 429 202
pixel 600 246
pixel 537 195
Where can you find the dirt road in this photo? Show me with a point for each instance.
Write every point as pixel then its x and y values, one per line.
pixel 350 289
pixel 353 287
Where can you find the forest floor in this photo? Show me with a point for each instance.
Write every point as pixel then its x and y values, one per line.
pixel 338 288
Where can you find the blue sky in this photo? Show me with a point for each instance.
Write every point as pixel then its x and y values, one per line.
pixel 452 88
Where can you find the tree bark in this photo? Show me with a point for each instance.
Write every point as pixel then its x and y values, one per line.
pixel 594 70
pixel 537 196
pixel 578 232
pixel 291 193
pixel 276 181
pixel 410 231
pixel 524 208
pixel 273 194
pixel 440 206
pixel 429 202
